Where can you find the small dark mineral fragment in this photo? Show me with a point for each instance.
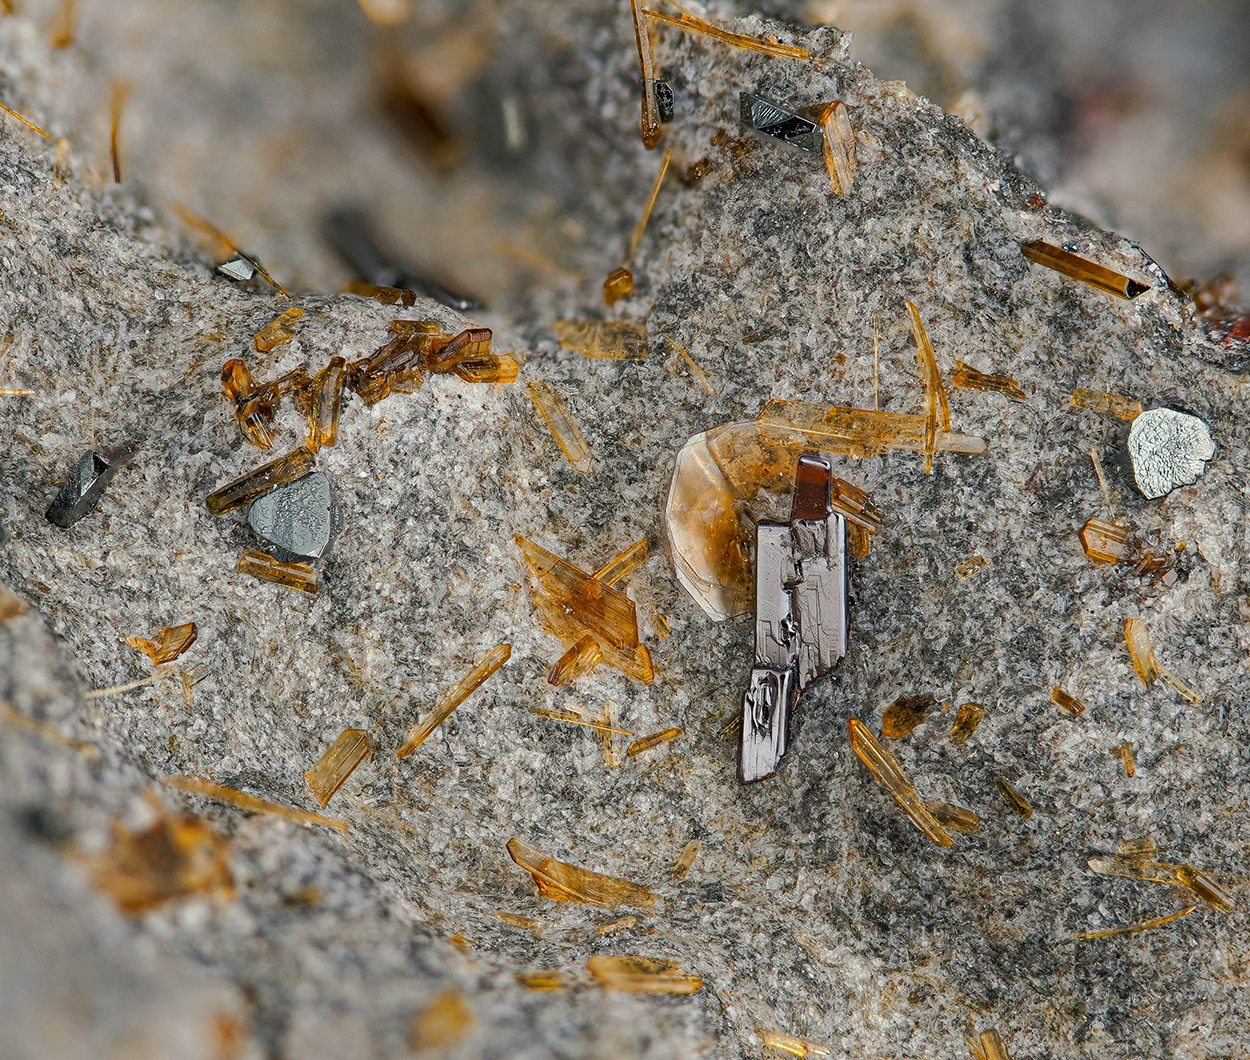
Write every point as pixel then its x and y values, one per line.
pixel 296 517
pixel 781 124
pixel 664 101
pixel 86 484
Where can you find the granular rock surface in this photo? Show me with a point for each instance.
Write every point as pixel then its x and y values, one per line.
pixel 814 907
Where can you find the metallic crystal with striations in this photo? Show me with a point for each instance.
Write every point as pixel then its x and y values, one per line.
pixel 86 485
pixel 297 517
pixel 780 123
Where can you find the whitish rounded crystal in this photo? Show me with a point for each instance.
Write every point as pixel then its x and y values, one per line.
pixel 1168 449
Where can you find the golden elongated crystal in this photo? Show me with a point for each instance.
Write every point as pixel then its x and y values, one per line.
pixel 254 415
pixel 578 661
pixel 858 432
pixel 618 285
pixel 839 146
pixel 487 665
pixel 619 924
pixel 695 370
pixel 29 124
pixel 245 489
pixel 646 63
pixel 337 764
pixel 577 719
pixel 1082 269
pixel 262 565
pixel 1139 847
pixel 970 566
pixel 1020 806
pixel 326 403
pixel 489 368
pixel 525 923
pixel 399 366
pixel 641 975
pixel 1136 868
pixel 967 718
pixel 1067 702
pixel 959 818
pixel 689 852
pixel 467 345
pixel 992 1047
pixel 1110 404
pixel 645 743
pixel 569 883
pixel 236 379
pixel 610 757
pixel 1125 754
pixel 937 411
pixel 889 774
pixel 904 714
pixel 560 422
pixel 620 567
pixel 546 979
pixel 1147 664
pixel 1141 925
pixel 790 1044
pixel 968 378
pixel 252 803
pixel 691 24
pixel 855 504
pixel 385 295
pixel 168 643
pixel 617 340
pixel 635 239
pixel 1105 541
pixel 278 330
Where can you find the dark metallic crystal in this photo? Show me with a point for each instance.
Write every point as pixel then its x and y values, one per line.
pixel 297 517
pixel 86 484
pixel 781 124
pixel 664 102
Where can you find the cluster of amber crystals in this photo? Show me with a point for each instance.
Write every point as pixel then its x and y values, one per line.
pixel 1147 664
pixel 256 406
pixel 569 883
pixel 168 643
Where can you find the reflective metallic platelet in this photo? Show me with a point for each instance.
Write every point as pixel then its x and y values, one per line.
pixel 239 268
pixel 297 517
pixel 82 490
pixel 781 124
pixel 664 101
pixel 1168 449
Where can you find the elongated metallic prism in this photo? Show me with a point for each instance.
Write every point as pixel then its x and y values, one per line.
pixel 781 123
pixel 800 615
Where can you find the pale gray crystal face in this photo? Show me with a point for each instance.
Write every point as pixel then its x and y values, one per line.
pixel 297 517
pixel 1168 449
pixel 237 269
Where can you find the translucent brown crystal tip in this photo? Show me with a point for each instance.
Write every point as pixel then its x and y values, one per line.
pixel 641 975
pixel 168 643
pixel 337 764
pixel 1077 268
pixel 569 883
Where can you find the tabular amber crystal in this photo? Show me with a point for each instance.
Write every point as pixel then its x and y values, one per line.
pixel 959 818
pixel 1105 542
pixel 561 424
pixel 465 687
pixel 968 378
pixel 241 799
pixel 790 1044
pixel 578 661
pixel 839 146
pixel 904 714
pixel 645 743
pixel 544 980
pixel 1125 753
pixel 970 566
pixel 1078 268
pixel 337 764
pixel 569 883
pixel 682 867
pixel 1019 804
pixel 1163 872
pixel 1140 847
pixel 992 1047
pixel 278 330
pixel 1110 404
pixel 641 975
pixel 889 774
pixel 245 489
pixel 1067 702
pixel 467 345
pixel 326 404
pixel 967 718
pixel 618 285
pixel 168 644
pixel 615 339
pixel 385 295
pixel 262 565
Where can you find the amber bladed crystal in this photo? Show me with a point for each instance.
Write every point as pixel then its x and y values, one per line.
pixel 1082 269
pixel 278 330
pixel 326 403
pixel 1105 541
pixel 641 975
pixel 613 339
pixel 487 665
pixel 245 489
pixel 337 764
pixel 262 565
pixel 1109 404
pixel 561 424
pixel 168 643
pixel 968 378
pixel 569 883
pixel 1067 702
pixel 889 774
pixel 645 743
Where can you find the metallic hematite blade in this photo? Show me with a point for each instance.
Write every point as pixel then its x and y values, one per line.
pixel 82 490
pixel 781 124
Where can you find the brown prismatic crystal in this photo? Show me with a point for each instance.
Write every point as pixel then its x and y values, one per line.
pixel 1082 269
pixel 889 774
pixel 967 718
pixel 385 295
pixel 243 801
pixel 620 567
pixel 578 661
pixel 471 344
pixel 1139 847
pixel 646 63
pixel 1020 806
pixel 641 975
pixel 262 565
pixel 618 285
pixel 1104 541
pixel 619 924
pixel 688 854
pixel 254 416
pixel 399 366
pixel 1136 868
pixel 968 378
pixel 326 403
pixel 992 1047
pixel 547 979
pixel 959 818
pixel 789 1044
pixel 904 714
pixel 645 743
pixel 569 883
pixel 561 424
pixel 1108 404
pixel 1140 926
pixel 167 645
pixel 937 411
pixel 467 685
pixel 614 339
pixel 278 330
pixel 1066 702
pixel 839 146
pixel 1125 753
pixel 970 566
pixel 337 764
pixel 858 432
pixel 245 489
pixel 1147 664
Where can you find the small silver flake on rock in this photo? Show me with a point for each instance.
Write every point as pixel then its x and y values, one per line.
pixel 297 517
pixel 1168 449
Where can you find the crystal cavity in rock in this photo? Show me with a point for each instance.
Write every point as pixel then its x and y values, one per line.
pixel 1168 449
pixel 296 517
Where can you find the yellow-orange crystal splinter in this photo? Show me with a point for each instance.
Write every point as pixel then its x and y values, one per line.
pixel 278 330
pixel 578 661
pixel 29 124
pixel 992 1047
pixel 489 664
pixel 688 854
pixel 1067 702
pixel 1082 269
pixel 937 412
pixel 561 424
pixel 889 774
pixel 1147 664
pixel 690 24
pixel 1163 872
pixel 645 743
pixel 117 104
pixel 858 432
pixel 904 714
pixel 617 340
pixel 569 883
pixel 326 404
pixel 790 1044
pixel 695 370
pixel 959 818
pixel 602 727
pixel 245 489
pixel 839 146
pixel 1019 804
pixel 243 801
pixel 620 567
pixel 967 718
pixel 618 285
pixel 972 565
pixel 968 378
pixel 1109 404
pixel 1141 925
pixel 167 645
pixel 337 764
pixel 641 975
pixel 1104 541
pixel 262 565
pixel 646 63
pixel 635 239
pixel 1125 754
pixel 547 979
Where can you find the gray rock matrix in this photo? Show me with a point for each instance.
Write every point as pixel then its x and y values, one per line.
pixel 814 907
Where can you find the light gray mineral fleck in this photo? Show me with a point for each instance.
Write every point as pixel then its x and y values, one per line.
pixel 297 517
pixel 239 268
pixel 1168 449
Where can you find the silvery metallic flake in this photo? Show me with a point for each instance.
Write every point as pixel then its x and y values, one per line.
pixel 298 517
pixel 781 124
pixel 1168 449
pixel 239 268
pixel 664 101
pixel 800 615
